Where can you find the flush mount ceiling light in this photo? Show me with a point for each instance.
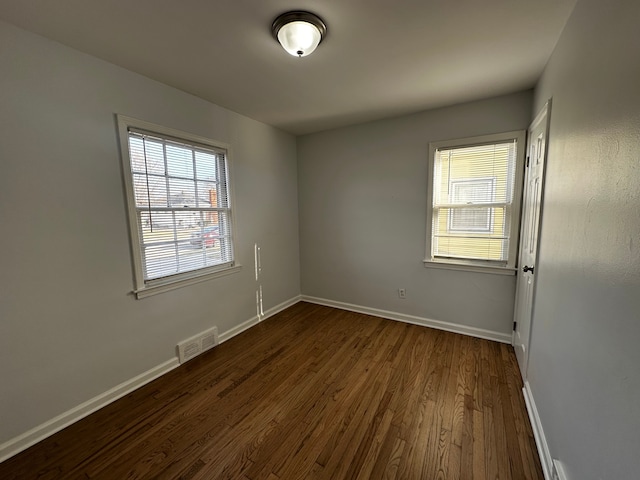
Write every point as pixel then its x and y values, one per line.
pixel 299 32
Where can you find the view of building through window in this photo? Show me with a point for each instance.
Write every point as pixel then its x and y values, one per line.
pixel 473 195
pixel 469 220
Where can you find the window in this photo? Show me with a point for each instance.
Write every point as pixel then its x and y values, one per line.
pixel 179 203
pixel 475 189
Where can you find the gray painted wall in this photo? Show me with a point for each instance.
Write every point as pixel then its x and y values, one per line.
pixel 363 200
pixel 584 369
pixel 69 329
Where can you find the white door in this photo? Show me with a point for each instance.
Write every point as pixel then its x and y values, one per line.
pixel 531 216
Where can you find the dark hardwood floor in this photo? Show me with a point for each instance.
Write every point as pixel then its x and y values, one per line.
pixel 311 393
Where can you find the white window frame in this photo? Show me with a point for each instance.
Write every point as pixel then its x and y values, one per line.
pixel 144 288
pixel 486 266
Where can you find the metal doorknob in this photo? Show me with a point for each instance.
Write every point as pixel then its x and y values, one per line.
pixel 527 268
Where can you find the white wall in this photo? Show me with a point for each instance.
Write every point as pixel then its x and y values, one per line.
pixel 363 199
pixel 584 369
pixel 69 327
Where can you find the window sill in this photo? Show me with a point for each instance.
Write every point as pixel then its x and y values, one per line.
pixel 469 267
pixel 150 290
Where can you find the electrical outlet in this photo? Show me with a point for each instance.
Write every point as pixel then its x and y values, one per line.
pixel 402 293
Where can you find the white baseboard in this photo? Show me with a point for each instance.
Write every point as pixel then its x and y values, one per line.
pixel 281 306
pixel 33 436
pixel 541 442
pixel 425 322
pixel 238 329
pixel 22 442
pixel 559 470
pixel 223 337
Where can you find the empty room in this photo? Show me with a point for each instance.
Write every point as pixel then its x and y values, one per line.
pixel 320 240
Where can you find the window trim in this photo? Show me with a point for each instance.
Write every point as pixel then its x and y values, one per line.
pixel 485 266
pixel 147 288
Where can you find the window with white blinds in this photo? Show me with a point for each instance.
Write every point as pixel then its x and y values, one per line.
pixel 179 204
pixel 475 187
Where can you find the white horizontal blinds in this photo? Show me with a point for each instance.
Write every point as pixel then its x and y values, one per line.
pixel 182 204
pixel 472 201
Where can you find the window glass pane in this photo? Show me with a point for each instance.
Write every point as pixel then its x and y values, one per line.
pixel 186 223
pixel 154 151
pixel 179 161
pixel 473 191
pixel 205 166
pixel 136 153
pixel 160 260
pixel 470 220
pixel 214 236
pixel 159 225
pixel 191 259
pixel 207 195
pixel 182 193
pixel 147 155
pixel 472 248
pixel 477 163
pixel 156 227
pixel 150 188
pixel 469 192
pixel 465 227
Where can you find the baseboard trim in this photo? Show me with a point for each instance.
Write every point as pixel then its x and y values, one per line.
pixel 281 306
pixel 401 317
pixel 22 442
pixel 237 330
pixel 538 433
pixel 35 435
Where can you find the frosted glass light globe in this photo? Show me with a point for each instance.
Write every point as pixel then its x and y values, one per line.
pixel 298 32
pixel 299 38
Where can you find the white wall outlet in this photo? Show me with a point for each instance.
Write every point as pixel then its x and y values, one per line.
pixel 402 293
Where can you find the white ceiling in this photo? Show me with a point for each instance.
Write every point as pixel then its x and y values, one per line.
pixel 380 58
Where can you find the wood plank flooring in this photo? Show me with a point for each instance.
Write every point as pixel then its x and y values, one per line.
pixel 311 393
